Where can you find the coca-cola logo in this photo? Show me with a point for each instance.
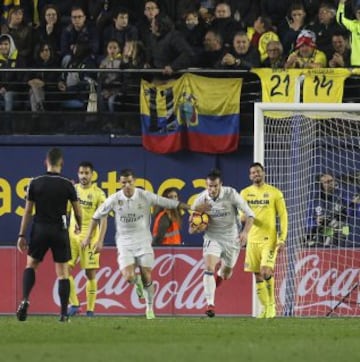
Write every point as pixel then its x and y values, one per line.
pixel 177 279
pixel 316 284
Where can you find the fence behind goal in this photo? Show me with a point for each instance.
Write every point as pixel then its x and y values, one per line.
pixel 311 153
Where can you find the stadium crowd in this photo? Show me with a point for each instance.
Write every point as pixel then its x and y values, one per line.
pixel 162 34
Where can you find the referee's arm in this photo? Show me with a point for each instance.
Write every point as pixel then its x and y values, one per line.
pixel 21 242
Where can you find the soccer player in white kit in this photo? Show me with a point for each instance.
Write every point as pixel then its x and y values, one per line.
pixel 222 238
pixel 131 207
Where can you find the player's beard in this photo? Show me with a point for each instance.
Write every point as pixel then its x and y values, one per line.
pixel 84 182
pixel 258 180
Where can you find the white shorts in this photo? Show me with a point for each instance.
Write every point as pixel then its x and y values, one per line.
pixel 138 254
pixel 228 251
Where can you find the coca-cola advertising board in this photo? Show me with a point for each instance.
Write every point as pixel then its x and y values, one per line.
pixel 177 276
pixel 321 282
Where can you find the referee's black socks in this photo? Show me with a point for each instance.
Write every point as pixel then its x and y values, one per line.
pixel 64 293
pixel 28 282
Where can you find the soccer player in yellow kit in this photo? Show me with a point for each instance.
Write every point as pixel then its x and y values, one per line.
pixel 90 197
pixel 264 242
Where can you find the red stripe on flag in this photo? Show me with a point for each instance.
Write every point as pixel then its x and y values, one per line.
pixel 198 142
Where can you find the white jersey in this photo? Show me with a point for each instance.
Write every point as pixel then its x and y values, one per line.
pixel 223 225
pixel 132 215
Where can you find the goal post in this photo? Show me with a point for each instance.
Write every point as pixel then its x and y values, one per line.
pixel 311 152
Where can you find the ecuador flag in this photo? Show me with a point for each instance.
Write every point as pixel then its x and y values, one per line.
pixel 193 112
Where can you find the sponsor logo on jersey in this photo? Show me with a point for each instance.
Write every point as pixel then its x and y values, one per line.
pixel 259 202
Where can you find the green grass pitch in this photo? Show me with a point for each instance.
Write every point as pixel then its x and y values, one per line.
pixel 132 339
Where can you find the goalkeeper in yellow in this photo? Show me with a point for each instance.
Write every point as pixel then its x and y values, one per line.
pixel 264 241
pixel 90 198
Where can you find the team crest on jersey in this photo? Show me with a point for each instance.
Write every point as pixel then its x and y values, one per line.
pixel 120 202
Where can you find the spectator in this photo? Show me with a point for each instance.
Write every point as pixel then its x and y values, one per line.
pixel 261 34
pixel 111 83
pixel 193 29
pixel 206 10
pixel 275 58
pixel 49 30
pixel 64 7
pixel 354 27
pixel 246 11
pixel 100 13
pixel 133 55
pixel 306 55
pixel 290 28
pixel 312 8
pixel 74 85
pixel 41 83
pixel 79 31
pixel 33 10
pixel 9 81
pixel 6 5
pixel 213 52
pixel 324 27
pixel 341 51
pixel 187 6
pixel 242 55
pixel 120 30
pixel 168 49
pixel 275 10
pixel 167 222
pixel 329 215
pixel 224 24
pixel 20 32
pixel 151 9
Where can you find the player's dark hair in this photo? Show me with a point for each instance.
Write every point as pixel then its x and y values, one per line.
pixel 127 172
pixel 86 164
pixel 214 174
pixel 54 156
pixel 257 164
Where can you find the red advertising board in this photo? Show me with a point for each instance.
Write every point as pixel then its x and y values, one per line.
pixel 177 277
pixel 321 282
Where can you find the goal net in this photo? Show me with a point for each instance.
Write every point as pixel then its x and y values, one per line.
pixel 312 153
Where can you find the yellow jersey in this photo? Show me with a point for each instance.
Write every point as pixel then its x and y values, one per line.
pixel 90 199
pixel 268 203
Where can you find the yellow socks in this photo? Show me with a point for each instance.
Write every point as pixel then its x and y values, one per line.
pixel 91 290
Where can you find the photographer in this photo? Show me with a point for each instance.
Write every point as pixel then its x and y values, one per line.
pixel 329 216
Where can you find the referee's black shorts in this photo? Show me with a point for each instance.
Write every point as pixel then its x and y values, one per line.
pixel 49 236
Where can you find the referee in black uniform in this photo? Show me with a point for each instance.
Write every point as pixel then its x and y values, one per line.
pixel 49 194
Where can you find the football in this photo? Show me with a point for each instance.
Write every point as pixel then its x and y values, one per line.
pixel 199 220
